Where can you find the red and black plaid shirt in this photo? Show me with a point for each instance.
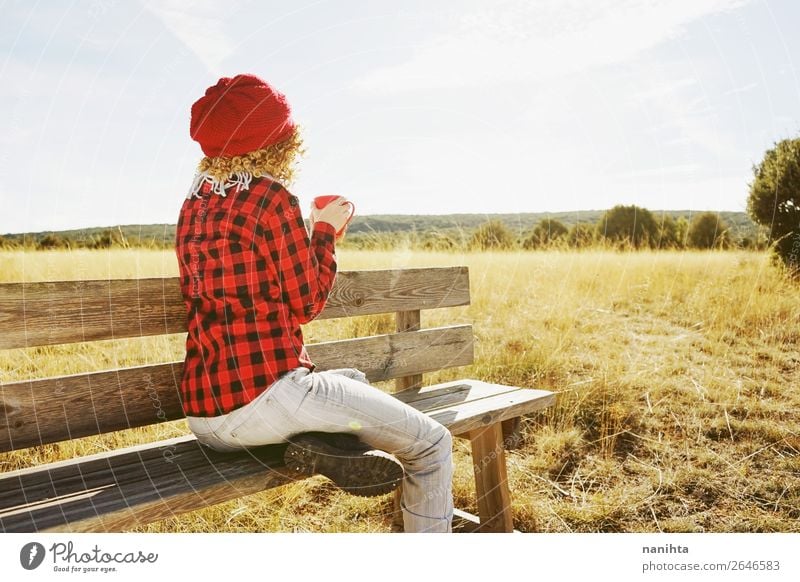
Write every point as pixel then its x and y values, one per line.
pixel 250 276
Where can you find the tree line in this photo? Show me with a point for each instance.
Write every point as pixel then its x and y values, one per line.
pixel 623 227
pixel 103 239
pixel 620 227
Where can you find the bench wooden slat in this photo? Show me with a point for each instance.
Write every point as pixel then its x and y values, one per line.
pixel 462 418
pixel 37 314
pixel 429 398
pixel 71 475
pixel 55 409
pixel 384 357
pixel 193 478
pixel 144 484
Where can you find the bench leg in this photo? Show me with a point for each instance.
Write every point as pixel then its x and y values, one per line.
pixel 491 480
pixel 512 433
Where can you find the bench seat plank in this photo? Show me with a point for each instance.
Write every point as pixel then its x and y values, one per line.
pixel 462 418
pixel 452 392
pixel 147 489
pixel 125 488
pixel 464 405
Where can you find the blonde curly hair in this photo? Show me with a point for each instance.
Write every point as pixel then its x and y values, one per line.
pixel 278 160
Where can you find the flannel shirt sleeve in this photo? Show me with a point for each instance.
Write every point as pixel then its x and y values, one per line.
pixel 306 266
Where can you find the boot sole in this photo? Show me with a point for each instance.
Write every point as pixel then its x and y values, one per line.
pixel 366 473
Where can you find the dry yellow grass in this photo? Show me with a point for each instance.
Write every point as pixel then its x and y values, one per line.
pixel 678 375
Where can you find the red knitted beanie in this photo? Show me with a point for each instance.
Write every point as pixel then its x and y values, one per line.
pixel 240 115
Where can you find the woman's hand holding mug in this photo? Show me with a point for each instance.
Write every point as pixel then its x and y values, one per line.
pixel 335 210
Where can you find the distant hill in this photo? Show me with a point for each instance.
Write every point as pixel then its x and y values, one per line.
pixel 163 235
pixel 739 222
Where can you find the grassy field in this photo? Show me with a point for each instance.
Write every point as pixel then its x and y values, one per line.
pixel 678 376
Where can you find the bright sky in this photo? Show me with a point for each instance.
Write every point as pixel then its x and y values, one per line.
pixel 408 107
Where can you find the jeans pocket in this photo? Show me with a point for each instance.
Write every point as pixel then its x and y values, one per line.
pixel 230 429
pixel 267 420
pixel 206 429
pixel 200 426
pixel 291 390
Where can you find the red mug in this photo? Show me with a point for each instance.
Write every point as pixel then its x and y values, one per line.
pixel 322 201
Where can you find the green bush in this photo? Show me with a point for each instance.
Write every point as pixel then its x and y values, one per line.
pixel 628 225
pixel 708 231
pixel 437 241
pixel 544 234
pixel 52 241
pixel 667 236
pixel 492 235
pixel 774 200
pixel 581 236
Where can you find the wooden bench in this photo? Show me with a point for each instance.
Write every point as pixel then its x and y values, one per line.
pixel 121 489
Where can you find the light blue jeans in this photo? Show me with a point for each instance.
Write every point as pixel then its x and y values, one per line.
pixel 343 401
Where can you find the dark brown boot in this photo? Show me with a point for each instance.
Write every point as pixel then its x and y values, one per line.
pixel 351 464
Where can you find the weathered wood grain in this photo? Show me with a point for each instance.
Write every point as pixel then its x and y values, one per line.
pixel 72 476
pixel 462 418
pixel 405 321
pixel 54 409
pixel 491 479
pixel 142 489
pixel 432 398
pixel 389 356
pixel 408 321
pixel 37 314
pixel 122 489
pixel 65 473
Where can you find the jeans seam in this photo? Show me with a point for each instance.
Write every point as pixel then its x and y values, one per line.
pixel 380 421
pixel 404 507
pixel 300 388
pixel 263 398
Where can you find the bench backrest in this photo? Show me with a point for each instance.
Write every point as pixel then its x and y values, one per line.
pixel 48 410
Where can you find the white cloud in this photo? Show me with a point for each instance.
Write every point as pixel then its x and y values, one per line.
pixel 519 40
pixel 673 172
pixel 742 89
pixel 663 88
pixel 723 190
pixel 691 114
pixel 199 26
